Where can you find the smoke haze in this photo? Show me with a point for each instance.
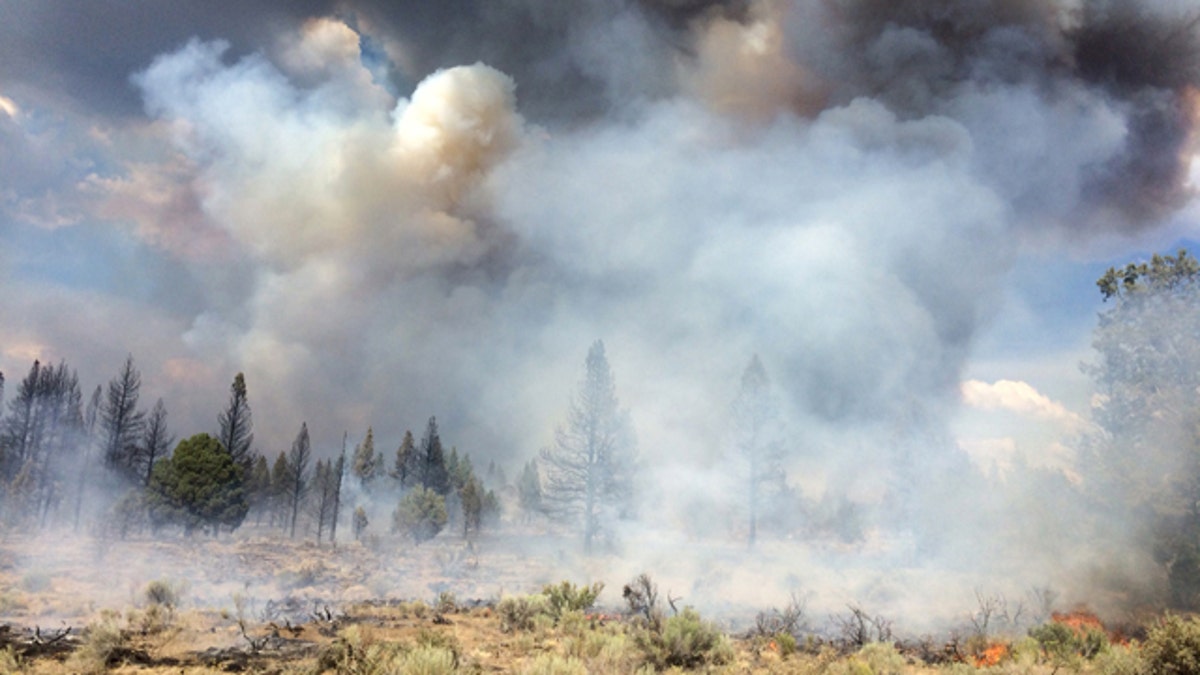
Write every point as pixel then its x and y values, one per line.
pixel 385 211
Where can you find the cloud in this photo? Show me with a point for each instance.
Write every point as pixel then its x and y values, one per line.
pixel 1021 398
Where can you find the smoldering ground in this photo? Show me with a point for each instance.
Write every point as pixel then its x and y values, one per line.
pixel 380 213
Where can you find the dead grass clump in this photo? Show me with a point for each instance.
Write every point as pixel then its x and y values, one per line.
pixel 428 660
pixel 553 664
pixel 103 642
pixel 11 661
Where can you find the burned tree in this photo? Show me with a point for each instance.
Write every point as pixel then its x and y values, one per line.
pixel 589 467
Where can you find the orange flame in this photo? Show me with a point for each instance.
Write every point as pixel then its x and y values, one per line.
pixel 1080 621
pixel 992 655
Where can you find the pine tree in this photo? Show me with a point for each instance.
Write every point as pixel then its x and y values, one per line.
pixel 298 474
pixel 529 490
pixel 280 503
pixel 156 442
pixel 405 470
pixel 121 421
pixel 756 442
pixel 433 474
pixel 365 465
pixel 589 468
pixel 258 487
pixel 237 425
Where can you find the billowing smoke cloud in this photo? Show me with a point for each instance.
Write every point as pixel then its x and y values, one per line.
pixel 384 213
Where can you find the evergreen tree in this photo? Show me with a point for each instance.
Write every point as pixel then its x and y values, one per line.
pixel 280 504
pixel 756 443
pixel 366 463
pixel 433 474
pixel 421 514
pixel 258 487
pixel 298 474
pixel 324 488
pixel 121 420
pixel 529 490
pixel 237 425
pixel 198 487
pixel 156 442
pixel 405 470
pixel 589 468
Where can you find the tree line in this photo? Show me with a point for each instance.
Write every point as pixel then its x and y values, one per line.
pixel 58 449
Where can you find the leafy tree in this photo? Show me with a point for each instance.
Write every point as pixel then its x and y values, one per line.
pixel 121 421
pixel 405 469
pixel 1146 454
pixel 756 443
pixel 198 487
pixel 237 424
pixel 155 444
pixel 421 514
pixel 589 467
pixel 297 476
pixel 529 490
pixel 365 465
pixel 432 461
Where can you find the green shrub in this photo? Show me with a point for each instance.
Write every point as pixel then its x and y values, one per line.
pixel 566 597
pixel 786 643
pixel 427 660
pixel 1120 660
pixel 881 658
pixel 1059 643
pixel 421 514
pixel 519 613
pixel 1173 647
pixel 446 603
pixel 685 641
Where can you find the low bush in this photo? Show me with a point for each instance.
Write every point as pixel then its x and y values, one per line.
pixel 685 641
pixel 1120 660
pixel 427 660
pixel 519 613
pixel 567 597
pixel 160 592
pixel 1172 647
pixel 103 641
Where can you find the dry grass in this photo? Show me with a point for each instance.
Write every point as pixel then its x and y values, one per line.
pixel 271 606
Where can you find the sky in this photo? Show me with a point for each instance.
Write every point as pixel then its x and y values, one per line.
pixel 384 211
